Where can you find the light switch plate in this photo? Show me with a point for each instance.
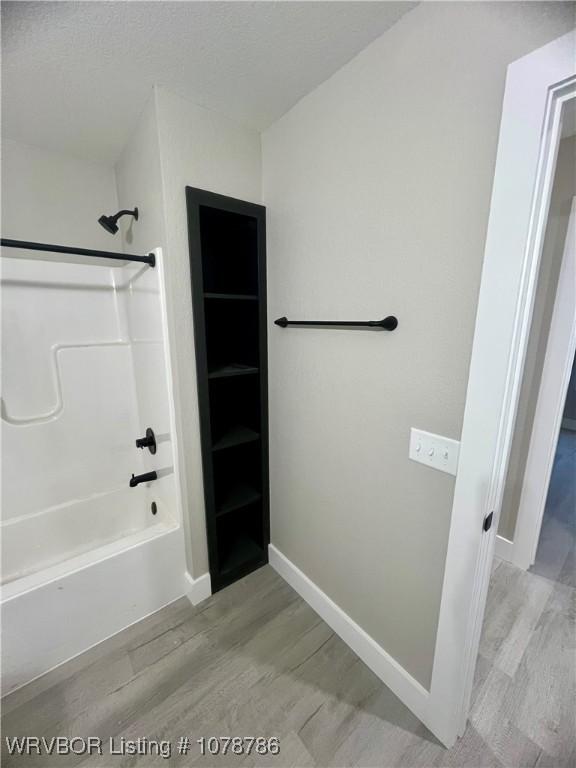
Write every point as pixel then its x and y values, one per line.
pixel 434 450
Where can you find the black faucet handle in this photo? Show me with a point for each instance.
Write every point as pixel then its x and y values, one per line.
pixel 149 441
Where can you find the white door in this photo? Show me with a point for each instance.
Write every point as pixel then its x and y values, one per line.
pixel 537 87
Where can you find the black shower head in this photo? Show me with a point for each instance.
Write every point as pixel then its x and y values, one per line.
pixel 110 223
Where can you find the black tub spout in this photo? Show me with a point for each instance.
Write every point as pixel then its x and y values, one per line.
pixel 145 478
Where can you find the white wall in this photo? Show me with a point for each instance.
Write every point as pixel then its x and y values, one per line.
pixel 178 144
pixel 377 187
pixel 198 148
pixel 49 197
pixel 139 184
pixel 82 450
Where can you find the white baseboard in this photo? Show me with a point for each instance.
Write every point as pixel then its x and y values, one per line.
pixel 198 589
pixel 392 674
pixel 569 424
pixel 504 549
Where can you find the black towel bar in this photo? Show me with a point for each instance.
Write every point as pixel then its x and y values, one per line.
pixel 388 323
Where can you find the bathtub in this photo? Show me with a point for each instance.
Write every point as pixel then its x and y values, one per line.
pixel 83 556
pixel 56 613
pixel 60 535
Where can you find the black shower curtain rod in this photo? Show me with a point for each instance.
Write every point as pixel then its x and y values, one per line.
pixel 150 259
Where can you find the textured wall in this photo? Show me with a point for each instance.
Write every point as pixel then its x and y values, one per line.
pixel 378 191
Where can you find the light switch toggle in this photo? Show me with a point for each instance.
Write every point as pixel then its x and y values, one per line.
pixel 434 450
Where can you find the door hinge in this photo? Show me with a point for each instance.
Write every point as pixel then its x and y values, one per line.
pixel 488 522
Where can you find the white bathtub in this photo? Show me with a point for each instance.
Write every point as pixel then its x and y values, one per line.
pixel 83 555
pixel 54 614
pixel 36 542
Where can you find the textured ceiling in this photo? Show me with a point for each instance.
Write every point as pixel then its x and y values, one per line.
pixel 76 75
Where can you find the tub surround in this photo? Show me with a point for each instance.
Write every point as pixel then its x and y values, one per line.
pixel 102 552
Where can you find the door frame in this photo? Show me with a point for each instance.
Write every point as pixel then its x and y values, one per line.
pixel 536 87
pixel 556 371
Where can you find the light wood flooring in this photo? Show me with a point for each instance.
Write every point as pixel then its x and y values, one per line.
pixel 255 660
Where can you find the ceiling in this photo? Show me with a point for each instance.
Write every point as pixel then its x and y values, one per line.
pixel 76 75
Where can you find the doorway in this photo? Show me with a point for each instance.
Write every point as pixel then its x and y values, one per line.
pixel 533 469
pixel 557 541
pixel 525 658
pixel 538 88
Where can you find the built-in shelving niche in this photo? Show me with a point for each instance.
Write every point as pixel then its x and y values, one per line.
pixel 227 258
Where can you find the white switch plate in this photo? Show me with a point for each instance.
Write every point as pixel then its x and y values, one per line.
pixel 434 450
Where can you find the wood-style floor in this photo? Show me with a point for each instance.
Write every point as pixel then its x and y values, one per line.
pixel 255 660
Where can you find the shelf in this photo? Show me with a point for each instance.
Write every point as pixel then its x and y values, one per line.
pixel 233 296
pixel 242 552
pixel 237 435
pixel 228 265
pixel 229 243
pixel 238 496
pixel 231 369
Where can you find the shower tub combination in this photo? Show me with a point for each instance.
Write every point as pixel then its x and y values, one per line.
pixel 86 374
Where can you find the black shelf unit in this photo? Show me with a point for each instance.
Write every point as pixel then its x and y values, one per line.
pixel 227 239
